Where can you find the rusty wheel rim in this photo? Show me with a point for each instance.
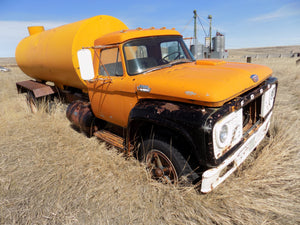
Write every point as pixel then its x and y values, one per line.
pixel 161 168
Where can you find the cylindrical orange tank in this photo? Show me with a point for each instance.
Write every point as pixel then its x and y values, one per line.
pixel 51 55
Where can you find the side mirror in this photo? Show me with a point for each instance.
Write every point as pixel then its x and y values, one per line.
pixel 86 64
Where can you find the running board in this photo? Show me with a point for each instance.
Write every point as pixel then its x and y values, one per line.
pixel 111 138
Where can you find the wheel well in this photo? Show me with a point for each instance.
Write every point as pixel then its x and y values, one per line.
pixel 145 130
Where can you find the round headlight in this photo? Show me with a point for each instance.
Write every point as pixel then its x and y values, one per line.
pixel 223 135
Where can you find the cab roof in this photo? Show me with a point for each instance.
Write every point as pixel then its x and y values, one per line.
pixel 125 35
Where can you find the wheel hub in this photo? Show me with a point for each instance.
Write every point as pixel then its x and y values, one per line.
pixel 161 167
pixel 158 172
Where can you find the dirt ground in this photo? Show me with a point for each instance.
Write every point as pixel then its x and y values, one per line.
pixel 51 174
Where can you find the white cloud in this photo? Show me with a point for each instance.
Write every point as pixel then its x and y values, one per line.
pixel 12 32
pixel 288 10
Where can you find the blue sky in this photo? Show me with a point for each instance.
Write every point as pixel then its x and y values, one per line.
pixel 246 23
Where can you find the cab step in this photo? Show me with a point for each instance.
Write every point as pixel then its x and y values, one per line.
pixel 111 138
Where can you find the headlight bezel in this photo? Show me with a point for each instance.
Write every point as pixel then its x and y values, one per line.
pixel 268 99
pixel 234 124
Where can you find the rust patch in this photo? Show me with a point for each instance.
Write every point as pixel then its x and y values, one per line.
pixel 168 106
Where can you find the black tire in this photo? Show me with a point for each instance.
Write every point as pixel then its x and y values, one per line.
pixel 173 166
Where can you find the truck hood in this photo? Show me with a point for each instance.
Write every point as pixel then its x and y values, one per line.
pixel 206 82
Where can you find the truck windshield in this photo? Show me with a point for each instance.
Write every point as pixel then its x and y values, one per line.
pixel 147 54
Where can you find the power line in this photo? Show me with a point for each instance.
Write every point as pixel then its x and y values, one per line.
pixel 202 26
pixel 186 25
pixel 199 20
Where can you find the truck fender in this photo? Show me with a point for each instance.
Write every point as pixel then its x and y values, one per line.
pixel 160 114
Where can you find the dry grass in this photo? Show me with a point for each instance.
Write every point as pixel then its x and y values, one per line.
pixel 264 50
pixel 50 174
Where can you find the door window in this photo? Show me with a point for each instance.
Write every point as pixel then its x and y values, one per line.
pixel 110 62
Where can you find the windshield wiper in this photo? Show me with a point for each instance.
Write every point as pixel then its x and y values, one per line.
pixel 170 64
pixel 157 68
pixel 176 62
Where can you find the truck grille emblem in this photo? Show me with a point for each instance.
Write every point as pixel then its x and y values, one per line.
pixel 254 77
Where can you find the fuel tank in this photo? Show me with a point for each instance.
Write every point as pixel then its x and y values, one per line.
pixel 51 55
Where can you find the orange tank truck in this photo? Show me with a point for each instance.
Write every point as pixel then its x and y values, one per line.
pixel 51 55
pixel 142 91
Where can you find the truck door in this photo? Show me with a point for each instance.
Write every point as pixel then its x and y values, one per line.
pixel 112 94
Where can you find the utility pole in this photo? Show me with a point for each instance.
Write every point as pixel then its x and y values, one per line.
pixel 195 27
pixel 209 17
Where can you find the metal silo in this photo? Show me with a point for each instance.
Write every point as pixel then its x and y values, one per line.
pixel 219 43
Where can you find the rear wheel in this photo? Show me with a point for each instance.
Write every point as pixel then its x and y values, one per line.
pixel 165 163
pixel 32 102
pixel 36 104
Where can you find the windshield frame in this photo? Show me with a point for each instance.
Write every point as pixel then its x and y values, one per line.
pixel 158 56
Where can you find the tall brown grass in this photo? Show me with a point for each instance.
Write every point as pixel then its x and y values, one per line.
pixel 51 174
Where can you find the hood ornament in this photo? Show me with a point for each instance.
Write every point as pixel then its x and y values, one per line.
pixel 254 78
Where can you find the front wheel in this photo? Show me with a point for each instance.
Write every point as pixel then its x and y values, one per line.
pixel 165 163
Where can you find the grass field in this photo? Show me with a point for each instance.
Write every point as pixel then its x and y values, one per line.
pixel 51 174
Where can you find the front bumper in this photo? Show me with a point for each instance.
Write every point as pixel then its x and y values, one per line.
pixel 213 177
